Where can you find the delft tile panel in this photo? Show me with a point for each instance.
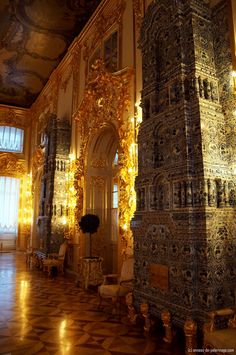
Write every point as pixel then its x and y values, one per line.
pixel 185 186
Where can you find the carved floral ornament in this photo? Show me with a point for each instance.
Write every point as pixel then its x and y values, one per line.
pixel 106 99
pixel 10 165
pixel 11 117
pixel 103 24
pixel 37 161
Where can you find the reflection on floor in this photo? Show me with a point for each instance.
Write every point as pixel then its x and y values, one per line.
pixel 42 315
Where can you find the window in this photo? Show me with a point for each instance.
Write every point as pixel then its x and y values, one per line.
pixel 9 202
pixel 115 162
pixel 115 196
pixel 111 52
pixel 11 139
pixel 114 213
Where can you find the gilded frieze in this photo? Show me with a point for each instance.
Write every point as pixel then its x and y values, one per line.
pixel 10 165
pixel 98 181
pixel 14 117
pixel 99 163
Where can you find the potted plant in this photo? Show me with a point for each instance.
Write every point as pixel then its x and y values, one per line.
pixel 89 223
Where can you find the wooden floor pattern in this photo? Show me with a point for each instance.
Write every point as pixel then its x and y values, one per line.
pixel 42 315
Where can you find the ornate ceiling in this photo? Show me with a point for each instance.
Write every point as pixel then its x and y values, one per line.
pixel 34 36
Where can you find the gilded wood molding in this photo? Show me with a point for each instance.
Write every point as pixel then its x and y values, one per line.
pixel 106 99
pixel 14 117
pixel 10 165
pixel 79 188
pixel 37 161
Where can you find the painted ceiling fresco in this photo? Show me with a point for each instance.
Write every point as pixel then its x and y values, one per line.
pixel 34 36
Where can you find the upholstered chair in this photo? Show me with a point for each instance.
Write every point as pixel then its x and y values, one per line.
pixel 123 285
pixel 55 260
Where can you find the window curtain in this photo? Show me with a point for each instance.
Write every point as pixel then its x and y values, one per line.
pixel 9 203
pixel 11 139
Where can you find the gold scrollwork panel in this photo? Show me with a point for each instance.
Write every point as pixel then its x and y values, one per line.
pixel 10 165
pixel 105 102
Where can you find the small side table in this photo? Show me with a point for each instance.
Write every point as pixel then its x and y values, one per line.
pixel 90 271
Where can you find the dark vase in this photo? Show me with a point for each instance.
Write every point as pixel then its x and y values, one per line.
pixel 89 223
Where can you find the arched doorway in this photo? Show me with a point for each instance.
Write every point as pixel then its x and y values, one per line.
pixel 102 189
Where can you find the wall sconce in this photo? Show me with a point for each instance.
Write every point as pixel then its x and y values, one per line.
pixel 64 220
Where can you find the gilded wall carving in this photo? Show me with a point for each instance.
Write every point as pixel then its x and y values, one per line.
pixel 79 188
pixel 103 23
pixel 37 162
pixel 105 101
pixel 98 181
pixel 185 187
pixel 10 165
pixel 14 117
pixel 98 163
pixel 76 57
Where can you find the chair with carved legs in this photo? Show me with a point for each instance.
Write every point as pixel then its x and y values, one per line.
pixel 55 260
pixel 121 288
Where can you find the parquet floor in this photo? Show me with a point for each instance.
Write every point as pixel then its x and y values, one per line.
pixel 42 315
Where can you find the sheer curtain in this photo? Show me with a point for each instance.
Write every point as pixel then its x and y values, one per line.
pixel 9 203
pixel 11 139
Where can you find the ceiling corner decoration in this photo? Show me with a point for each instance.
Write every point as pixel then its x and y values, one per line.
pixel 34 37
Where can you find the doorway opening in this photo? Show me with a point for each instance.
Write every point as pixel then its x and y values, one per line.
pixel 9 206
pixel 102 195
